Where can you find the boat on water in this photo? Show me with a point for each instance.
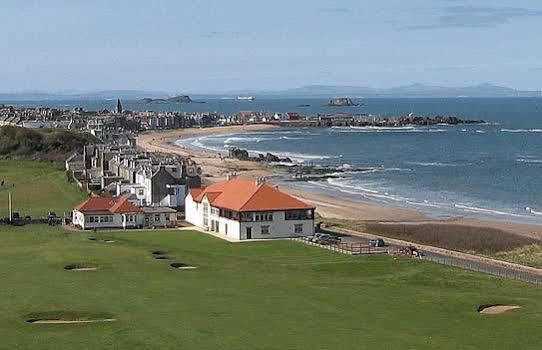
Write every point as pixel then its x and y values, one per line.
pixel 245 98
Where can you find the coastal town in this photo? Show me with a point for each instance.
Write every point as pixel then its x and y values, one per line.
pixel 305 175
pixel 158 182
pixel 104 122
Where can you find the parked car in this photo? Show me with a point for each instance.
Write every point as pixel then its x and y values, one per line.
pixel 377 242
pixel 326 239
pixel 314 238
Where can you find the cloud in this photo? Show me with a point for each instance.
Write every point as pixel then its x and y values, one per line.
pixel 477 17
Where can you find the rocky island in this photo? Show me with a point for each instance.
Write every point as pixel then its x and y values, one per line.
pixel 176 99
pixel 341 102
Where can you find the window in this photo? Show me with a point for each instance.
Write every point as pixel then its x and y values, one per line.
pixel 298 228
pixel 263 216
pixel 265 230
pixel 247 217
pixel 226 229
pixel 157 218
pixel 298 215
pixel 141 192
pixel 91 219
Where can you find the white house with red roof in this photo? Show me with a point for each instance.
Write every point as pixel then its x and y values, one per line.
pixel 244 209
pixel 120 213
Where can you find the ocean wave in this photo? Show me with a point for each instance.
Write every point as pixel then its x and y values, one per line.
pixel 199 144
pixel 231 140
pixel 298 157
pixel 522 130
pixel 480 132
pixel 384 129
pixel 487 211
pixel 344 185
pixel 529 160
pixel 530 210
pixel 436 164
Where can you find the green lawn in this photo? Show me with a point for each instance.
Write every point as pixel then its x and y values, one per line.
pixel 39 188
pixel 260 295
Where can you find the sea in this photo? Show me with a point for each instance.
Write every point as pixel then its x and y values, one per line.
pixel 491 170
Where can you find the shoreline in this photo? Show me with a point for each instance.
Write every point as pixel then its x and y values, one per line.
pixel 215 168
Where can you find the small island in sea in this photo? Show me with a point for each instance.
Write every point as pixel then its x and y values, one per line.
pixel 341 102
pixel 176 99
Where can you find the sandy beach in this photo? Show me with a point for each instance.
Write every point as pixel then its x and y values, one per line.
pixel 215 168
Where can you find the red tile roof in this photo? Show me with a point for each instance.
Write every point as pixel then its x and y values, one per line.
pixel 244 195
pixel 110 204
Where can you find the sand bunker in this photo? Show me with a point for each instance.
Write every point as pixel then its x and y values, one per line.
pixel 496 309
pixel 182 266
pixel 161 257
pixel 78 267
pixel 61 321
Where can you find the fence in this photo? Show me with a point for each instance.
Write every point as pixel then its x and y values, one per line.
pixel 478 266
pixel 345 248
pixel 500 271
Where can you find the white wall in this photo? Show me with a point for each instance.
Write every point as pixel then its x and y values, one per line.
pixel 278 228
pixel 81 219
pixel 193 211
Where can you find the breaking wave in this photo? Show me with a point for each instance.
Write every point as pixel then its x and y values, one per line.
pixel 521 130
pixel 383 129
pixel 436 164
pixel 487 211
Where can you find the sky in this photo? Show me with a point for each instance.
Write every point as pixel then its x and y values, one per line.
pixel 210 46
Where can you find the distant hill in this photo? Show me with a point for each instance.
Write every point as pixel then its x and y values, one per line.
pixel 310 91
pixel 98 95
pixel 41 144
pixel 414 90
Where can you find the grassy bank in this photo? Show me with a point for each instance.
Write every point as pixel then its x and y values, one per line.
pixel 36 188
pixel 41 144
pixel 469 239
pixel 272 295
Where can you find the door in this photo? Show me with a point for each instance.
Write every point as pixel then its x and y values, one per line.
pixel 249 232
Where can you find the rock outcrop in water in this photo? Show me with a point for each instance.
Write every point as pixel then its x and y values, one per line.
pixel 242 154
pixel 341 101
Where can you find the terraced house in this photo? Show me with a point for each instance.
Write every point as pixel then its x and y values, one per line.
pixel 243 209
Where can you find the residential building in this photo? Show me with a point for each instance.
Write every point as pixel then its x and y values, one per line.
pixel 244 209
pixel 107 212
pixel 120 213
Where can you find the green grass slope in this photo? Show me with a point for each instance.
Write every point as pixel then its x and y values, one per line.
pixel 41 144
pixel 36 188
pixel 260 295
